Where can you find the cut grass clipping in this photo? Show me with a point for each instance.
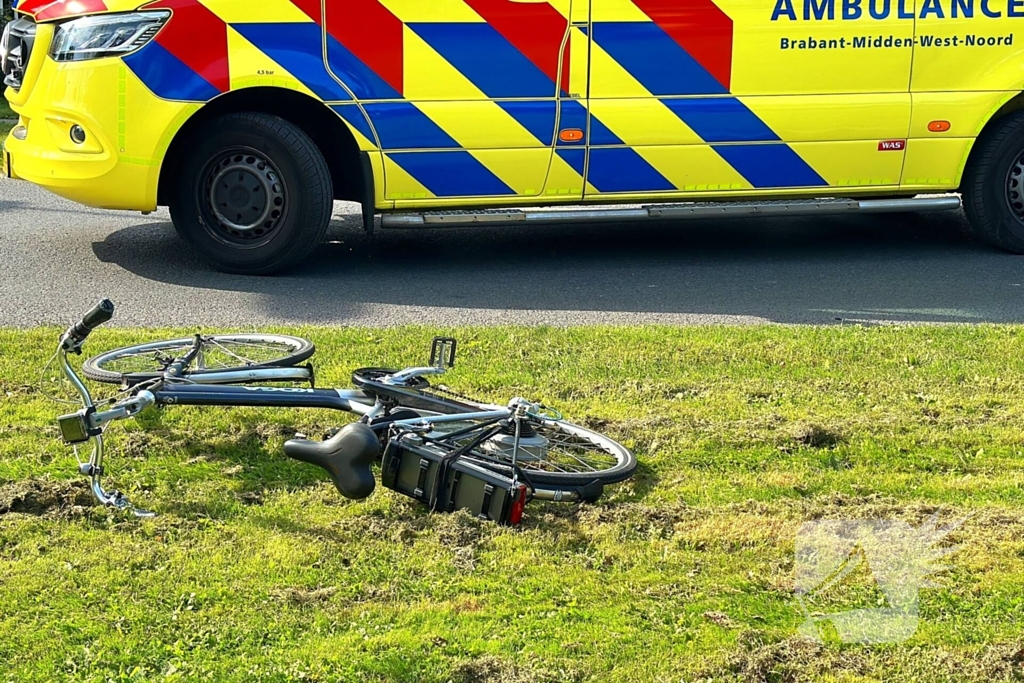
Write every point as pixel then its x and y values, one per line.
pixel 257 570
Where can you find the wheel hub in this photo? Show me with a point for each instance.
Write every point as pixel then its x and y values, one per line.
pixel 534 447
pixel 245 195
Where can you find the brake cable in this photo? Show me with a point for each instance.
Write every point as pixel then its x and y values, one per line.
pixel 42 383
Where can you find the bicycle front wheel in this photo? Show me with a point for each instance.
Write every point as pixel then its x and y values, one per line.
pixel 218 353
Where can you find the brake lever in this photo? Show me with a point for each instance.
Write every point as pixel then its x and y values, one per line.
pixel 69 344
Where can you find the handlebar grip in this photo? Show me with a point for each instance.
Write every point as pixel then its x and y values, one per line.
pixel 101 313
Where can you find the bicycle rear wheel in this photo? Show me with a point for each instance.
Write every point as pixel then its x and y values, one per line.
pixel 552 454
pixel 219 352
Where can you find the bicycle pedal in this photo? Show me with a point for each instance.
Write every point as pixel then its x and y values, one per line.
pixel 442 352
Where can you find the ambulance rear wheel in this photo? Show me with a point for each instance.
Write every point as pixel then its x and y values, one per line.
pixel 254 196
pixel 993 187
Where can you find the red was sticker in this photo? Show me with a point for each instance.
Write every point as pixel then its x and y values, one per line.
pixel 892 145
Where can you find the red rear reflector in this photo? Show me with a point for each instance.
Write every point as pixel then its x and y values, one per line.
pixel 892 145
pixel 515 515
pixel 571 135
pixel 939 126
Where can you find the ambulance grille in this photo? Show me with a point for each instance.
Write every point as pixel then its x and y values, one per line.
pixel 19 38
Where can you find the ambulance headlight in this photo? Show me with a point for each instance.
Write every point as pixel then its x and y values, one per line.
pixel 107 35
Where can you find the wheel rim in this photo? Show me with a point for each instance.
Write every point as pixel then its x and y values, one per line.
pixel 1015 188
pixel 245 197
pixel 218 353
pixel 568 450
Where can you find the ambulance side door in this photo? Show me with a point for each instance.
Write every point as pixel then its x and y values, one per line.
pixel 830 78
pixel 704 98
pixel 462 95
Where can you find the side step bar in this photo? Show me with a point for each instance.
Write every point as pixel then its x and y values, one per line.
pixel 670 211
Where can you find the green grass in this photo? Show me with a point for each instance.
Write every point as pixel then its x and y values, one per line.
pixel 257 570
pixel 7 121
pixel 5 128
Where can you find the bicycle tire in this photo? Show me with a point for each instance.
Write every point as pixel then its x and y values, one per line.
pixel 563 438
pixel 294 350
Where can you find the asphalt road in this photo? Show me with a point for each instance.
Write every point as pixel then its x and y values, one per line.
pixel 57 258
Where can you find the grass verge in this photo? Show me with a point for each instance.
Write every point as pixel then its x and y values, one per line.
pixel 5 129
pixel 256 570
pixel 7 121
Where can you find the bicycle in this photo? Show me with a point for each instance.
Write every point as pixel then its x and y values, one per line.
pixel 444 449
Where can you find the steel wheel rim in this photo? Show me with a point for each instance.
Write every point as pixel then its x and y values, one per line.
pixel 1015 188
pixel 245 197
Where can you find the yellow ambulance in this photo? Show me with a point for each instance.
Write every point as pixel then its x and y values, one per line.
pixel 248 119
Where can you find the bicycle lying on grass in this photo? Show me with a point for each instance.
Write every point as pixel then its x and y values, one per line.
pixel 443 449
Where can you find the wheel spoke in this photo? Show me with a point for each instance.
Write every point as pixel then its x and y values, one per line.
pixel 564 452
pixel 229 351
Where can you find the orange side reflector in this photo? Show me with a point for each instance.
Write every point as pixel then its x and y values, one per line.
pixel 939 126
pixel 571 135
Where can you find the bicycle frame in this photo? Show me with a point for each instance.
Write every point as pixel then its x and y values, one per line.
pixel 229 396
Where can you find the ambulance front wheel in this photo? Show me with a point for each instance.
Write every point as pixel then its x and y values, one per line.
pixel 254 196
pixel 993 186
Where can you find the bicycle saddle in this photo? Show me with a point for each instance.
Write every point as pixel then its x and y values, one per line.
pixel 347 457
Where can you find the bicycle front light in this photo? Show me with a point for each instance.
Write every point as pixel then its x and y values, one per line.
pixel 108 35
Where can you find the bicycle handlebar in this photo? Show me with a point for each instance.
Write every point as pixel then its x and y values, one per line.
pixel 101 313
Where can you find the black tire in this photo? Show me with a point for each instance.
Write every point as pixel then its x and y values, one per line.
pixel 993 185
pixel 134 364
pixel 255 195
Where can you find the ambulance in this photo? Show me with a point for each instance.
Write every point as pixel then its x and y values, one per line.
pixel 249 119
